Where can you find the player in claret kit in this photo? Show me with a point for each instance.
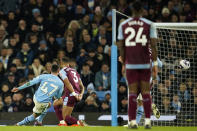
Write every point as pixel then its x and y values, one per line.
pixel 73 92
pixel 50 86
pixel 135 36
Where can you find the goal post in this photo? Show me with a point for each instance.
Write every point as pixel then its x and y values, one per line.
pixel 114 72
pixel 175 90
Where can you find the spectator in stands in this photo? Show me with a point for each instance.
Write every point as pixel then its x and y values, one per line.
pixel 183 93
pixel 4 58
pixel 122 92
pixel 5 90
pixel 13 45
pixel 165 14
pixel 60 55
pixel 28 103
pixel 8 106
pixel 36 67
pixel 11 80
pixel 52 44
pixel 94 95
pixel 12 23
pixel 176 104
pixel 2 71
pixel 81 58
pixel 165 107
pixel 17 102
pixel 90 105
pixel 26 55
pixel 105 107
pixel 47 69
pixel 88 43
pixel 87 76
pixel 123 105
pixel 44 53
pixel 33 42
pixel 103 78
pixel 70 49
pixel 22 29
pixel 90 88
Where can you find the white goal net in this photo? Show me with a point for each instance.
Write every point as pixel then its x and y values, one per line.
pixel 175 90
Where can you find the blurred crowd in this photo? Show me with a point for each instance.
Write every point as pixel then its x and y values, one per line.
pixel 36 33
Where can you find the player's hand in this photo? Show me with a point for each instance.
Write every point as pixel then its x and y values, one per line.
pixel 15 89
pixel 80 97
pixel 155 70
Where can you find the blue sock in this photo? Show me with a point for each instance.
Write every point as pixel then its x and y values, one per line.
pixel 140 112
pixel 26 120
pixel 41 117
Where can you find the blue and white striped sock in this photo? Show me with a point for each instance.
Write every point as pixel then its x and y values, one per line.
pixel 26 120
pixel 140 112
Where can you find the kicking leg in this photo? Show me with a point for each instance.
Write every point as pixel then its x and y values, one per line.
pixel 40 118
pixel 140 110
pixel 27 120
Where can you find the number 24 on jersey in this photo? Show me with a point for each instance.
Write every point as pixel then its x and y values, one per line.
pixel 139 37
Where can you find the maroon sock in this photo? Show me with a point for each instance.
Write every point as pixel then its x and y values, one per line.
pixel 132 106
pixel 58 112
pixel 147 105
pixel 70 120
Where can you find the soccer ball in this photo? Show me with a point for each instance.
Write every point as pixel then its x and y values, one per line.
pixel 185 64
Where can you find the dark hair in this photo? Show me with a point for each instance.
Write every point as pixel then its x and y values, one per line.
pixel 54 68
pixel 65 59
pixel 137 5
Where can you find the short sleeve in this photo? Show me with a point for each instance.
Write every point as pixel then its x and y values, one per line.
pixel 153 31
pixel 120 32
pixel 63 74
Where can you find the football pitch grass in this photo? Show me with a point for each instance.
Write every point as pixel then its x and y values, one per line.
pixel 98 128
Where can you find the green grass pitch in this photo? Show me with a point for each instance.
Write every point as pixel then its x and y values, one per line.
pixel 104 128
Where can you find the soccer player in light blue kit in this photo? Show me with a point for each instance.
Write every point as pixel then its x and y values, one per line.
pixel 50 86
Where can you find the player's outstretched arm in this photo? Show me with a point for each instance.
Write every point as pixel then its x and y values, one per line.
pixel 28 84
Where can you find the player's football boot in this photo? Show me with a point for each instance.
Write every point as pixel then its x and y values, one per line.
pixel 82 123
pixel 37 123
pixel 156 112
pixel 62 123
pixel 147 124
pixel 133 124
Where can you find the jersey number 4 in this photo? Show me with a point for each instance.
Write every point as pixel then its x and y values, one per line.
pixel 139 37
pixel 44 88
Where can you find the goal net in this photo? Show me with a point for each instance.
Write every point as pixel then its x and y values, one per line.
pixel 175 90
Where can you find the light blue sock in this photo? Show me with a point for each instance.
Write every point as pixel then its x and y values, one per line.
pixel 41 117
pixel 140 112
pixel 26 120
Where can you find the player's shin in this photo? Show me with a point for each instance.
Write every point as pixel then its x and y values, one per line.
pixel 140 112
pixel 41 117
pixel 58 112
pixel 26 120
pixel 147 104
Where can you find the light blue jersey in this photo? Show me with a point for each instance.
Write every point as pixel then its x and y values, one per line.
pixel 50 86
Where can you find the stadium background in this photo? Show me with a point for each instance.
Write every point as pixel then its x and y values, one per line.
pixel 36 33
